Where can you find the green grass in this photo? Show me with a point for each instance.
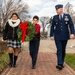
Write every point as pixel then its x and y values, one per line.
pixel 70 60
pixel 3 60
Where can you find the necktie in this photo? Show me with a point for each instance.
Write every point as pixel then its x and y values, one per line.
pixel 60 17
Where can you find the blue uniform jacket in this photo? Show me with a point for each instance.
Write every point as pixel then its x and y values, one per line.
pixel 61 29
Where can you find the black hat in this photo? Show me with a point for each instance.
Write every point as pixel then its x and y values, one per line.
pixel 59 6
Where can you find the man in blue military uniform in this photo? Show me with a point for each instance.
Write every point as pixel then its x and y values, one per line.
pixel 62 30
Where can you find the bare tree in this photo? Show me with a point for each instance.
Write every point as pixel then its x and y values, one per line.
pixel 7 7
pixel 25 17
pixel 44 21
pixel 73 19
pixel 69 10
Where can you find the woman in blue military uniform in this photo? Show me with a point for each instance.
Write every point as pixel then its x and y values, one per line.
pixel 61 34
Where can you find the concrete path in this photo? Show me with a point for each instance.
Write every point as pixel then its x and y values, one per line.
pixel 46 63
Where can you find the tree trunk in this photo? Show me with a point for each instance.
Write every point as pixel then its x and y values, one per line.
pixel 43 30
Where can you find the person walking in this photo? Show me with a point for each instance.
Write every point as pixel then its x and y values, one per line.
pixel 10 36
pixel 35 42
pixel 62 30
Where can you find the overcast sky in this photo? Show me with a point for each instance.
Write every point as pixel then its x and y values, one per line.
pixel 45 7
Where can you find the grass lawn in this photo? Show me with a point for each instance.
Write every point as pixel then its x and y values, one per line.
pixel 70 60
pixel 3 60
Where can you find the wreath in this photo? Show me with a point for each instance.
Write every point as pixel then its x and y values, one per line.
pixel 26 31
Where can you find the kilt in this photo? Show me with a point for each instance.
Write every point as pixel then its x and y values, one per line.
pixel 14 43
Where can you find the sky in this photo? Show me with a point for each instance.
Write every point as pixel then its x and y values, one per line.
pixel 45 7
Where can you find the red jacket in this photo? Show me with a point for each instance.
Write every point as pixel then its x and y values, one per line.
pixel 37 26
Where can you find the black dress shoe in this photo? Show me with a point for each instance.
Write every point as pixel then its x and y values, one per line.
pixel 14 65
pixel 33 67
pixel 59 67
pixel 62 66
pixel 10 64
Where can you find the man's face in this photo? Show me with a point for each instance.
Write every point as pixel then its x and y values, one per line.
pixel 59 11
pixel 35 21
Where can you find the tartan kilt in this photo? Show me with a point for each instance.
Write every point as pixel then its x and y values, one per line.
pixel 14 43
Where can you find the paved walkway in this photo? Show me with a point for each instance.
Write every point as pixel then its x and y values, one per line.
pixel 46 61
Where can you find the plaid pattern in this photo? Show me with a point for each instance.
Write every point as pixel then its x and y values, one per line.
pixel 14 44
